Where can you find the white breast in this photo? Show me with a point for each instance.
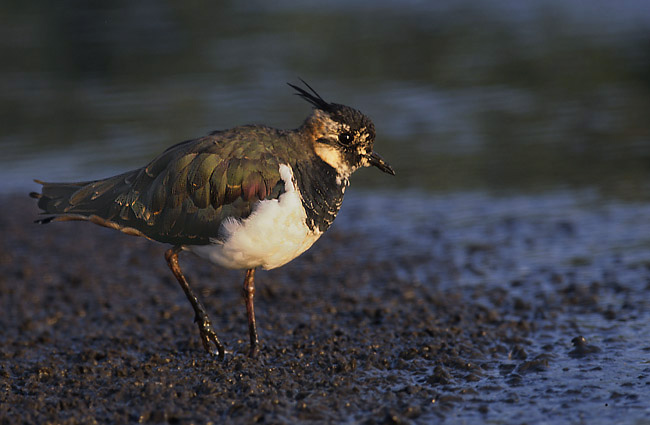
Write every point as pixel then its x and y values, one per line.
pixel 274 234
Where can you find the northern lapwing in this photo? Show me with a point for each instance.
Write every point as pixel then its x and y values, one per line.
pixel 252 196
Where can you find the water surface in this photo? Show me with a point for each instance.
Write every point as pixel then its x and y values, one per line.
pixel 500 95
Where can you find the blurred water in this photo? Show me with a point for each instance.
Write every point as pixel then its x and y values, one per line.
pixel 504 95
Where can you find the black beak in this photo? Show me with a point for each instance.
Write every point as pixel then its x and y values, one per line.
pixel 378 161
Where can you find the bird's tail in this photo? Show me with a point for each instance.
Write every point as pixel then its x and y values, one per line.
pixel 55 197
pixel 96 201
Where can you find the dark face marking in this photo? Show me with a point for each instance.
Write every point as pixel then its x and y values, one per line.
pixel 343 136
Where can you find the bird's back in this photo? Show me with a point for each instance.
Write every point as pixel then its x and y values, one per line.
pixel 183 195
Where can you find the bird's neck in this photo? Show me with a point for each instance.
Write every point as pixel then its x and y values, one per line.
pixel 321 189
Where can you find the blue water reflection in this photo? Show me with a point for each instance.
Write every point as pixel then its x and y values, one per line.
pixel 501 95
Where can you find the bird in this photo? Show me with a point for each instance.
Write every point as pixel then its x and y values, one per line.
pixel 245 198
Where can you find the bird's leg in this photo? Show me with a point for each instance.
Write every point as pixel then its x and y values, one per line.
pixel 249 293
pixel 205 326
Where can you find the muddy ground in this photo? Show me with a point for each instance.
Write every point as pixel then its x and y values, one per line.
pixel 473 310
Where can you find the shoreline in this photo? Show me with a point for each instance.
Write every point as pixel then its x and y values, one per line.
pixel 95 328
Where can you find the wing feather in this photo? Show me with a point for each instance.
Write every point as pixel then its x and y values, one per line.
pixel 183 195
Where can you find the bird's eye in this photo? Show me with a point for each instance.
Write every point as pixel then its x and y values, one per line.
pixel 345 138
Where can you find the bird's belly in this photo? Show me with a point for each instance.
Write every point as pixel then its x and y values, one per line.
pixel 274 234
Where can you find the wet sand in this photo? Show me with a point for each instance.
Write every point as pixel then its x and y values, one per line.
pixel 383 321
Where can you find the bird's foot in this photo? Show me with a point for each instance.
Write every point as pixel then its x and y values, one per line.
pixel 210 339
pixel 253 351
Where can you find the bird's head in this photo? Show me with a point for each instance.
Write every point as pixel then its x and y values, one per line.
pixel 342 136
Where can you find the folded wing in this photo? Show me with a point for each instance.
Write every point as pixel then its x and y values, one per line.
pixel 181 197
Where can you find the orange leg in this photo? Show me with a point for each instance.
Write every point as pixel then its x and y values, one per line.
pixel 249 293
pixel 208 335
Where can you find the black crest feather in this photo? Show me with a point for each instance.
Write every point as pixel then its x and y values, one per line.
pixel 315 98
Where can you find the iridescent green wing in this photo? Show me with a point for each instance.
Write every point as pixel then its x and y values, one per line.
pixel 183 195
